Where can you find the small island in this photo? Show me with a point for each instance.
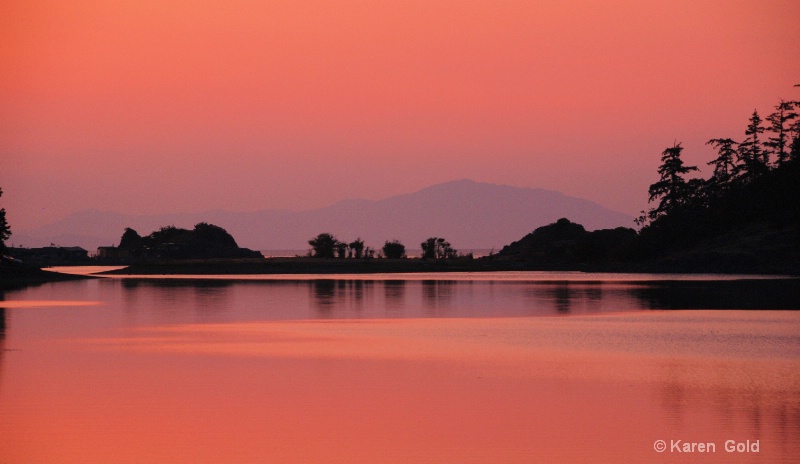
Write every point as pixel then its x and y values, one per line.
pixel 205 241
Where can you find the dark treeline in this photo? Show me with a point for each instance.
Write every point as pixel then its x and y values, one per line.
pixel 754 188
pixel 743 218
pixel 326 245
pixel 5 230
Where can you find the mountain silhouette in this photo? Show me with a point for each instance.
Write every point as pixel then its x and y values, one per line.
pixel 471 215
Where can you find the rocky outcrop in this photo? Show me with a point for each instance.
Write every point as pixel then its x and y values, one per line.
pixel 205 241
pixel 567 243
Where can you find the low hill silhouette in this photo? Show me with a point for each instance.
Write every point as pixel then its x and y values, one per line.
pixel 565 243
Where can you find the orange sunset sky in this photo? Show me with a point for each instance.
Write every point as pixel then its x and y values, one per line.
pixel 166 106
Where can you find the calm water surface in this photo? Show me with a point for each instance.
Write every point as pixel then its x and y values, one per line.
pixel 505 367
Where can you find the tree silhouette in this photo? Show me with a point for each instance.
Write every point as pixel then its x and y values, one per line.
pixel 357 247
pixel 341 249
pixel 744 190
pixel 672 190
pixel 794 148
pixel 725 163
pixel 131 240
pixel 394 249
pixel 5 230
pixel 780 126
pixel 429 248
pixel 168 234
pixel 437 248
pixel 323 245
pixel 754 161
pixel 780 123
pixel 214 234
pixel 793 133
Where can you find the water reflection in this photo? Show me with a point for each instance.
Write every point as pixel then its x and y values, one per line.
pixel 330 296
pixel 569 297
pixel 193 300
pixel 206 293
pixel 104 373
pixel 740 294
pixel 437 296
pixel 449 298
pixel 394 293
pixel 752 401
pixel 563 297
pixel 363 293
pixel 212 297
pixel 462 298
pixel 324 296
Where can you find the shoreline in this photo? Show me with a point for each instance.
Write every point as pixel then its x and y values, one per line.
pixel 15 277
pixel 306 265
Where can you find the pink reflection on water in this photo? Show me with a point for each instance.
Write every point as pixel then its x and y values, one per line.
pixel 548 389
pixel 9 304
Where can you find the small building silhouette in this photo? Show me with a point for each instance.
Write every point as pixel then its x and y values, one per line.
pixel 51 256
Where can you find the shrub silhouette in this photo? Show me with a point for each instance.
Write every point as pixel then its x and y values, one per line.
pixel 394 249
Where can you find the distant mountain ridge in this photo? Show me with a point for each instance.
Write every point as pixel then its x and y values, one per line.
pixel 471 215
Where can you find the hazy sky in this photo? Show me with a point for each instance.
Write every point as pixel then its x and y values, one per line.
pixel 158 106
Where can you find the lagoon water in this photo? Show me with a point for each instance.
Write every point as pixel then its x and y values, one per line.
pixel 501 367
